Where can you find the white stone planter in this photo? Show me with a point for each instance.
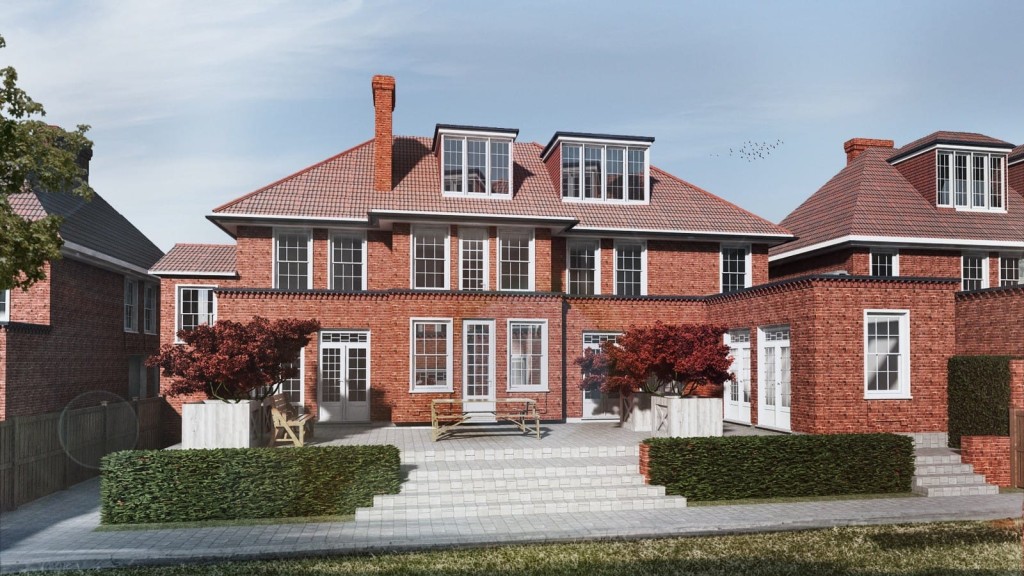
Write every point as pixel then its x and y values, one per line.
pixel 222 424
pixel 686 417
pixel 635 413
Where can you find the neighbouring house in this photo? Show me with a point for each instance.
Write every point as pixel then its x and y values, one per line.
pixel 90 324
pixel 471 264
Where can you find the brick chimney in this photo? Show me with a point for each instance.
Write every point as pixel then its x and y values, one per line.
pixel 854 146
pixel 383 106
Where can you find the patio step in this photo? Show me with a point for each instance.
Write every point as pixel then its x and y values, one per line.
pixel 520 496
pixel 534 453
pixel 534 468
pixel 518 509
pixel 546 482
pixel 940 472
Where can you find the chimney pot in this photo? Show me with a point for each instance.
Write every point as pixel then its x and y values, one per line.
pixel 854 146
pixel 383 136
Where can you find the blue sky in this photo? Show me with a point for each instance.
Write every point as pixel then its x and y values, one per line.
pixel 194 103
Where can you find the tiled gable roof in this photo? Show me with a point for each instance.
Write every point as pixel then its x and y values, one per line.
pixel 1016 155
pixel 211 259
pixel 870 197
pixel 93 224
pixel 341 187
pixel 953 138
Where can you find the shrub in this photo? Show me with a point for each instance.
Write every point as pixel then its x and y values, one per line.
pixel 776 466
pixel 141 486
pixel 978 397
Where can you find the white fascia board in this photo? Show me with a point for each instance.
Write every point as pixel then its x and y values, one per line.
pixel 1015 162
pixel 952 243
pixel 509 135
pixel 677 232
pixel 78 252
pixel 428 214
pixel 282 219
pixel 193 273
pixel 612 141
pixel 954 148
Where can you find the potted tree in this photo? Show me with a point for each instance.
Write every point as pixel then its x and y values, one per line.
pixel 670 377
pixel 236 366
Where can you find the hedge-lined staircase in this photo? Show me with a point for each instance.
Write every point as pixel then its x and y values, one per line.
pixel 938 470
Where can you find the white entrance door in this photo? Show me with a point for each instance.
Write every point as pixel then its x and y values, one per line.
pixel 478 369
pixel 773 378
pixel 596 404
pixel 344 377
pixel 737 392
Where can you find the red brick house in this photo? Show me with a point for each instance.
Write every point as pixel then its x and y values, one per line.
pixel 91 323
pixel 470 264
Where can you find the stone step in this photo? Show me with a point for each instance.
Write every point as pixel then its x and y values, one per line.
pixel 528 453
pixel 931 469
pixel 547 468
pixel 456 498
pixel 936 457
pixel 949 480
pixel 517 509
pixel 956 490
pixel 606 480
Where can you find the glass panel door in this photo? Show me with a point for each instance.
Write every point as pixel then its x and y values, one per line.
pixel 344 383
pixel 478 369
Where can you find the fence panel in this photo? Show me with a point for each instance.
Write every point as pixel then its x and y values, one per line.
pixel 1017 447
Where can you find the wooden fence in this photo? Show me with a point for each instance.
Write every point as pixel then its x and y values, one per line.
pixel 48 452
pixel 1016 448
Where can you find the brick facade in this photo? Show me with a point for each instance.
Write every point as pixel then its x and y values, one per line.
pixel 989 322
pixel 920 171
pixel 67 338
pixel 990 456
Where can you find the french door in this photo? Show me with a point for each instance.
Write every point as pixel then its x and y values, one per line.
pixel 774 393
pixel 344 376
pixel 598 405
pixel 478 389
pixel 737 392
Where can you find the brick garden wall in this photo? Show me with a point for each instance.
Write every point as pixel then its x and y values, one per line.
pixel 990 456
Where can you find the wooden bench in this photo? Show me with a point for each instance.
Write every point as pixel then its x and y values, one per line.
pixel 447 414
pixel 287 420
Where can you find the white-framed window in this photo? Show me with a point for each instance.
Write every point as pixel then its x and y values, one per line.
pixel 430 352
pixel 630 268
pixel 293 256
pixel 886 354
pixel 970 180
pixel 149 308
pixel 292 388
pixel 5 305
pixel 885 263
pixel 735 263
pixel 604 172
pixel 131 305
pixel 527 355
pixel 594 340
pixel 430 257
pixel 194 306
pixel 583 267
pixel 347 261
pixel 974 272
pixel 515 259
pixel 1011 269
pixel 476 165
pixel 474 263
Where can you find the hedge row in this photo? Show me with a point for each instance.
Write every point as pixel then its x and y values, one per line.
pixel 188 485
pixel 771 466
pixel 979 397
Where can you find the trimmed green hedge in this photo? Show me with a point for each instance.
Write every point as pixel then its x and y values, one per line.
pixel 141 486
pixel 777 466
pixel 979 397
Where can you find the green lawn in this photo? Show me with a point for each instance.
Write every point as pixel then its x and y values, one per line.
pixel 951 548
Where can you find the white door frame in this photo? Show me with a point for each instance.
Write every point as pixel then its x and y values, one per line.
pixel 600 406
pixel 774 365
pixel 477 402
pixel 343 410
pixel 737 393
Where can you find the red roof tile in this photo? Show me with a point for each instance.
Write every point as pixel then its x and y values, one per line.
pixel 870 197
pixel 954 138
pixel 27 205
pixel 197 259
pixel 341 187
pixel 1016 154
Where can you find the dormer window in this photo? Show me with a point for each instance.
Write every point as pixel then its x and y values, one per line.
pixel 970 180
pixel 475 161
pixel 600 168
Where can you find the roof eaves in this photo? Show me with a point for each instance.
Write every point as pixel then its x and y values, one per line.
pixel 903 154
pixel 563 135
pixel 438 128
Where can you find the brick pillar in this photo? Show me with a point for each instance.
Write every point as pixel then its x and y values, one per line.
pixel 990 456
pixel 645 461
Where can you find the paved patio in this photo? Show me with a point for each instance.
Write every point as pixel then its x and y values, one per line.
pixel 59 531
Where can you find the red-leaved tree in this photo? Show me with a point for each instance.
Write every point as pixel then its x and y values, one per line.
pixel 675 358
pixel 229 360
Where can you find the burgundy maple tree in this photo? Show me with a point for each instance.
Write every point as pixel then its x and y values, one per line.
pixel 229 360
pixel 672 357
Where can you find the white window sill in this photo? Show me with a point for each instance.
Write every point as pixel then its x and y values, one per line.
pixel 130 331
pixel 544 388
pixel 888 396
pixel 431 390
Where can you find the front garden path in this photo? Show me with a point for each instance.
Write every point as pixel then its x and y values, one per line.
pixel 59 531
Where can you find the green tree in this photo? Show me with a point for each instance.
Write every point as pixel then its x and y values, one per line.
pixel 33 156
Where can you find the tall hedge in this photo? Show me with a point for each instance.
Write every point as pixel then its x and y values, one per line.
pixel 140 486
pixel 774 466
pixel 979 397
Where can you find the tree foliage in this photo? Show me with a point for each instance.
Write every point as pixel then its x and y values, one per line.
pixel 675 358
pixel 33 156
pixel 229 360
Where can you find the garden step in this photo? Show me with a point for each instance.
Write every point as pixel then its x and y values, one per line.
pixel 517 509
pixel 607 480
pixel 956 490
pixel 546 468
pixel 457 498
pixel 935 456
pixel 949 480
pixel 538 452
pixel 927 469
